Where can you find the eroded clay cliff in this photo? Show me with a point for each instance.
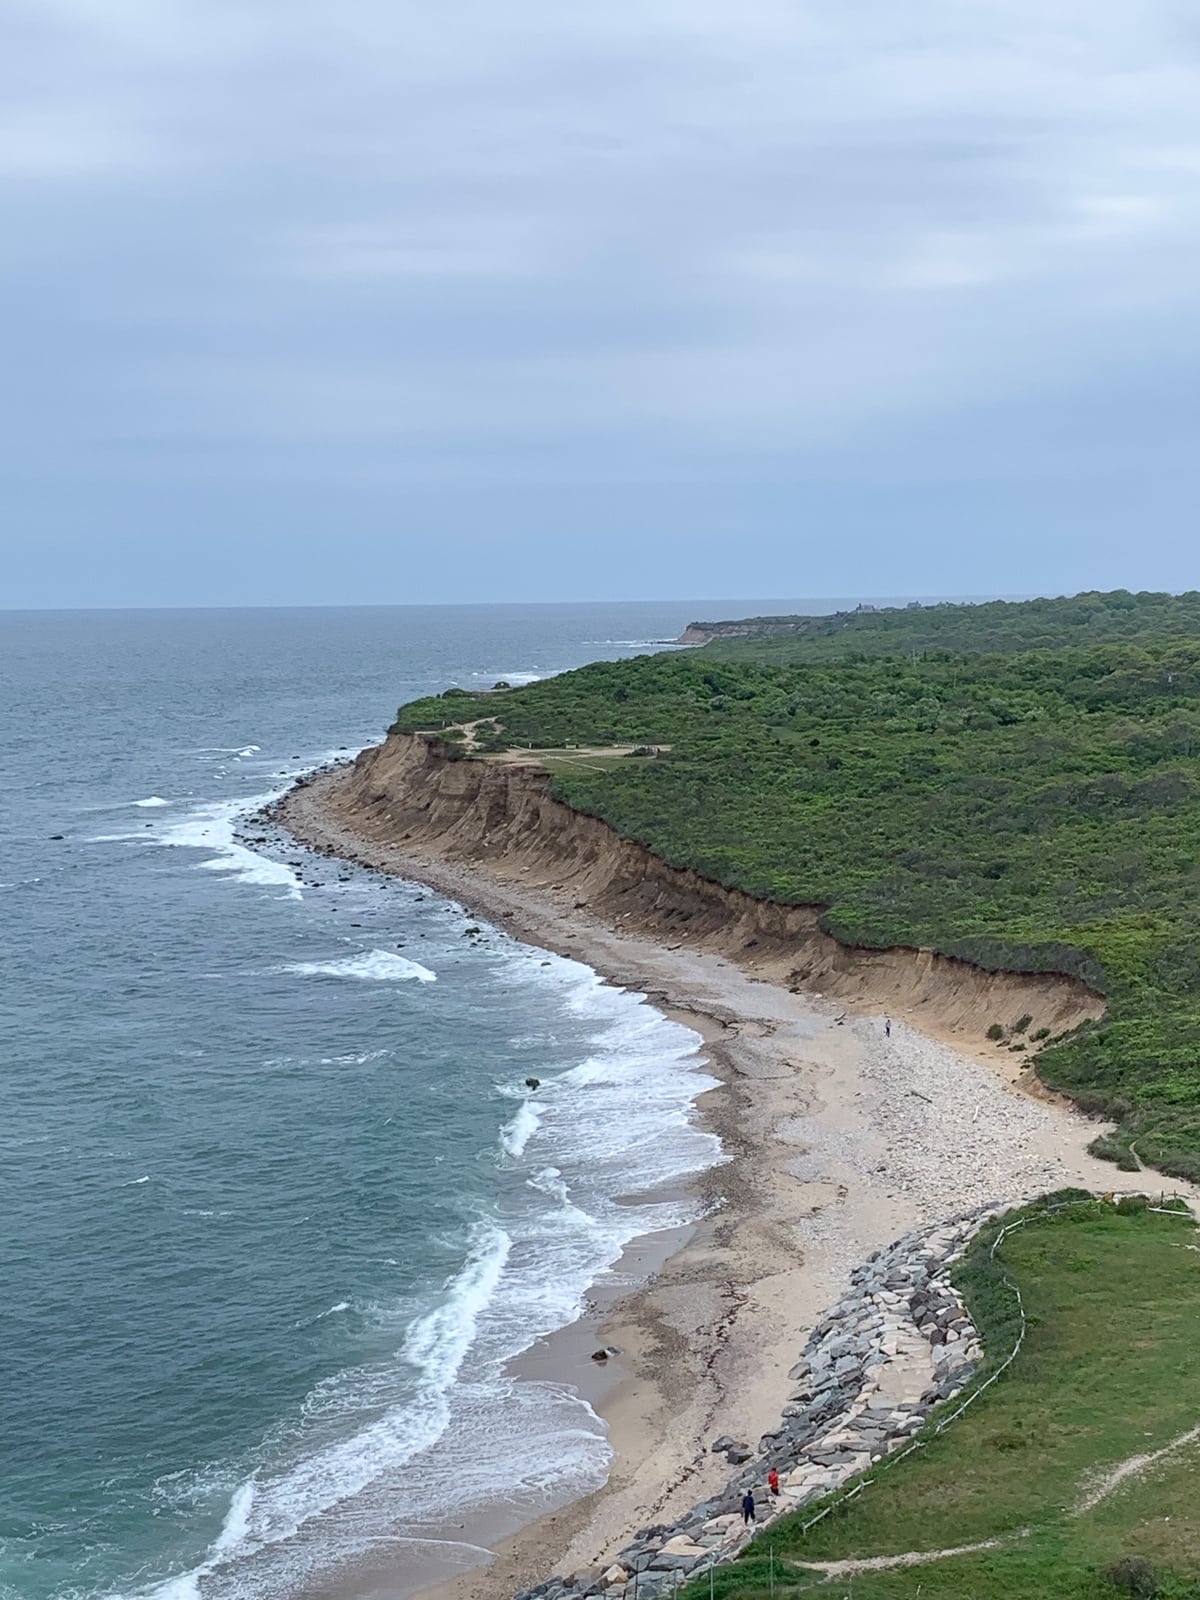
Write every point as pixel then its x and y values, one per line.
pixel 498 815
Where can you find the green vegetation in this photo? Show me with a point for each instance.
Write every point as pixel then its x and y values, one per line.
pixel 997 626
pixel 1110 1370
pixel 1037 810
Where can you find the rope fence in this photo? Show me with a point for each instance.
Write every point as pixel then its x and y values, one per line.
pixel 1161 1209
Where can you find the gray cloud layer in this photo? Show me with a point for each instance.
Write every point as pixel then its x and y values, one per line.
pixel 320 279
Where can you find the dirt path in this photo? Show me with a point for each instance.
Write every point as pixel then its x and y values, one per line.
pixel 910 1558
pixel 1133 1467
pixel 1100 1489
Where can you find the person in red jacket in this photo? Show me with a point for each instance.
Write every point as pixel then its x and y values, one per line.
pixel 773 1481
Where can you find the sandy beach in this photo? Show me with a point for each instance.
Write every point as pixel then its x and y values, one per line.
pixel 842 1129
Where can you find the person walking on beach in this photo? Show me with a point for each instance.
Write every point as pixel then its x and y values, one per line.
pixel 887 1027
pixel 773 1481
pixel 747 1508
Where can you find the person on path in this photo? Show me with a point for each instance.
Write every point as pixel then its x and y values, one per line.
pixel 747 1508
pixel 773 1481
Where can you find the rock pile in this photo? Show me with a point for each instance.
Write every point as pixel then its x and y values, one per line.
pixel 897 1343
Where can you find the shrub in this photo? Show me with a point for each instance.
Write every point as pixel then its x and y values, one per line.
pixel 1042 1033
pixel 995 1031
pixel 1022 1023
pixel 1009 1439
pixel 1133 1575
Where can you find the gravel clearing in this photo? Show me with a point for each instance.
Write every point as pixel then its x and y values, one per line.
pixel 956 1134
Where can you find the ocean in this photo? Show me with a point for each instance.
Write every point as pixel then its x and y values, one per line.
pixel 278 1209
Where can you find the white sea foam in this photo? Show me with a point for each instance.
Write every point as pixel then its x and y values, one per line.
pixel 515 1135
pixel 230 1540
pixel 212 826
pixel 644 644
pixel 550 1181
pixel 237 1523
pixel 432 1431
pixel 184 1587
pixel 359 1060
pixel 269 1509
pixel 382 966
pixel 515 678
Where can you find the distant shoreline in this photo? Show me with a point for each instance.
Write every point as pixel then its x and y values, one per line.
pixel 833 1151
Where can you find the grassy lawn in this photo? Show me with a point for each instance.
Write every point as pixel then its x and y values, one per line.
pixel 1110 1370
pixel 570 761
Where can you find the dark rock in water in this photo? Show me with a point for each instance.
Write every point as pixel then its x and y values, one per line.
pixel 533 1083
pixel 599 1355
pixel 63 835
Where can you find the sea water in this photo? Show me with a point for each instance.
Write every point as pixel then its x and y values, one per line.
pixel 278 1208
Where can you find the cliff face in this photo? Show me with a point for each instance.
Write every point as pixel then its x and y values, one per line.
pixel 750 628
pixel 499 816
pixel 822 625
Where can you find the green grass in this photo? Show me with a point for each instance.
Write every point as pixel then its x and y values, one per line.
pixel 560 762
pixel 1110 1369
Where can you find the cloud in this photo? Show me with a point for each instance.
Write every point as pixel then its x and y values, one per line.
pixel 671 237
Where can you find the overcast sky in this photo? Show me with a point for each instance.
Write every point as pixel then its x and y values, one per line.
pixel 372 300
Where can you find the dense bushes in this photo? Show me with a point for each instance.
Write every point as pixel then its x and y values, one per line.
pixel 996 625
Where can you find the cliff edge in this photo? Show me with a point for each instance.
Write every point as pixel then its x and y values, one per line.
pixel 498 816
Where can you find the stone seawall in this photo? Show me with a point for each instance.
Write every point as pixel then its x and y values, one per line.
pixel 898 1343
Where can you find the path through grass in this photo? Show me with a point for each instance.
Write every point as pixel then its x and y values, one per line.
pixel 1084 1452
